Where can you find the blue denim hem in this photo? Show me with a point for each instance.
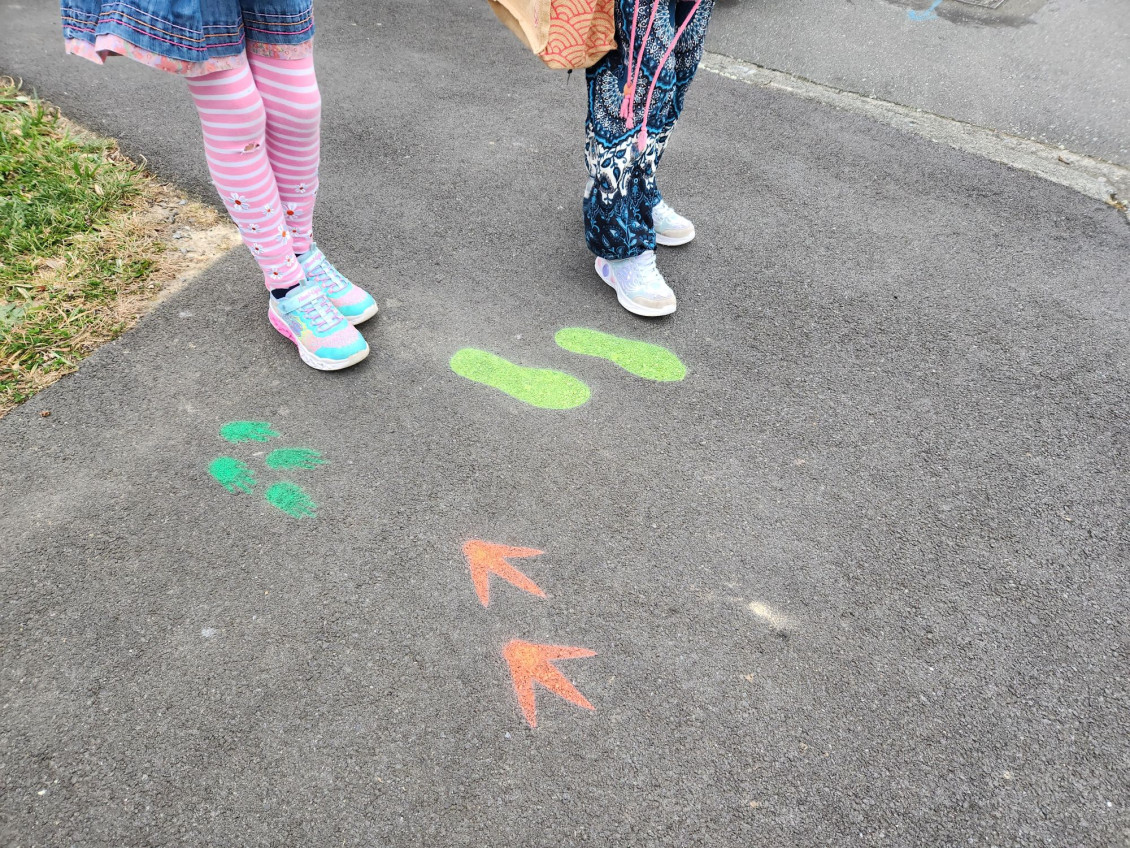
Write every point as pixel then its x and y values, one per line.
pixel 279 22
pixel 194 36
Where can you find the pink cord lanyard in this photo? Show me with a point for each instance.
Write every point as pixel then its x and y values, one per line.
pixel 627 113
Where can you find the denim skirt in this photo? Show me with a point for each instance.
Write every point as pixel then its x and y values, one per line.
pixel 187 36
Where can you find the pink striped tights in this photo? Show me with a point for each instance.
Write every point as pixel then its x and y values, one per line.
pixel 261 137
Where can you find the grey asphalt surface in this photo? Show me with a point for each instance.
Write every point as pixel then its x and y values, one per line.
pixel 1058 72
pixel 858 580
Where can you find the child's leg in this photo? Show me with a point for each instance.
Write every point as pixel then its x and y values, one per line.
pixel 618 221
pixel 234 122
pixel 294 113
pixel 685 57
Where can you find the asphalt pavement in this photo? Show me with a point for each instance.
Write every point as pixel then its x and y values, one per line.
pixel 1051 71
pixel 857 579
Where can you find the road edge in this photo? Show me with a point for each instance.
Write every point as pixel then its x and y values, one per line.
pixel 1094 178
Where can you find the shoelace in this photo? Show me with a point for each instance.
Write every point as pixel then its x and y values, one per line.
pixel 328 277
pixel 323 273
pixel 318 312
pixel 644 274
pixel 662 215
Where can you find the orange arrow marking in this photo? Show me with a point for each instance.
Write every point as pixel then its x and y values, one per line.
pixel 529 663
pixel 485 558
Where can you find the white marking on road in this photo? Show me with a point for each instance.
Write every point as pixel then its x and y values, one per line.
pixel 1087 175
pixel 209 632
pixel 768 614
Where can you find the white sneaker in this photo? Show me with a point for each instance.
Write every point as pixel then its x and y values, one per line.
pixel 640 287
pixel 671 228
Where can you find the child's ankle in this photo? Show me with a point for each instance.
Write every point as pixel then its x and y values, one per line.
pixel 280 293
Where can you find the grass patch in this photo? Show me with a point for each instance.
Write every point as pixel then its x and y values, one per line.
pixel 88 240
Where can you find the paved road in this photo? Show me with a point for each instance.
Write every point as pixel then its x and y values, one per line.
pixel 1056 72
pixel 857 580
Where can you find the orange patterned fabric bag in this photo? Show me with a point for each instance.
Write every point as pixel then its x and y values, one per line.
pixel 565 34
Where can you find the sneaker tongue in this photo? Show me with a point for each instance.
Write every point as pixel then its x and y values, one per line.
pixel 311 257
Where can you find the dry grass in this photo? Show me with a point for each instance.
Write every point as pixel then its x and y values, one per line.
pixel 89 241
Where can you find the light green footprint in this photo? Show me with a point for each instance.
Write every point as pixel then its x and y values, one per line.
pixel 649 361
pixel 538 387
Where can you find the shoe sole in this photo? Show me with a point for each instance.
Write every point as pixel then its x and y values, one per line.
pixel 635 309
pixel 306 356
pixel 673 241
pixel 363 317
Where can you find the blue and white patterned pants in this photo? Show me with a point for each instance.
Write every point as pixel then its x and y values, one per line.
pixel 622 189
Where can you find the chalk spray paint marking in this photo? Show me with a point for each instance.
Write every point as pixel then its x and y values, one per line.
pixel 294 458
pixel 236 476
pixel 531 663
pixel 642 359
pixel 232 474
pixel 924 14
pixel 487 558
pixel 540 387
pixel 291 500
pixel 247 431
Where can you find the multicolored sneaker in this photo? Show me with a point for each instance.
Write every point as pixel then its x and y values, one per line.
pixel 325 340
pixel 671 228
pixel 640 287
pixel 352 301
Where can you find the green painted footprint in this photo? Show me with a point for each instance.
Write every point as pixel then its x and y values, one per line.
pixel 233 474
pixel 291 500
pixel 294 458
pixel 247 431
pixel 649 361
pixel 236 476
pixel 538 387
